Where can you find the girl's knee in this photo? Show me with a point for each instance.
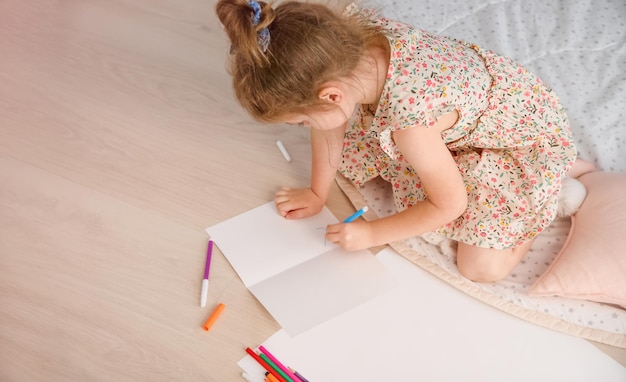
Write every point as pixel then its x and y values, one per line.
pixel 485 265
pixel 483 273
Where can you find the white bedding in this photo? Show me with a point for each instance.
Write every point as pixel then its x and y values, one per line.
pixel 579 49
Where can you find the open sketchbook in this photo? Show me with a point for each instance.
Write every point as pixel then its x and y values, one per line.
pixel 290 268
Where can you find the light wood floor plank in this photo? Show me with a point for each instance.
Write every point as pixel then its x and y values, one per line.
pixel 93 287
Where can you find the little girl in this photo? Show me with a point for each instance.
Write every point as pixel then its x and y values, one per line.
pixel 475 147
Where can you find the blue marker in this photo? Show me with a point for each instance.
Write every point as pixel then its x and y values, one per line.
pixel 356 214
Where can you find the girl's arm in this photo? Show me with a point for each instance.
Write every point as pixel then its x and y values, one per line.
pixel 446 198
pixel 296 203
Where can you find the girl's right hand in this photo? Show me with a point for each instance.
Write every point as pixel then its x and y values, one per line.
pixel 297 203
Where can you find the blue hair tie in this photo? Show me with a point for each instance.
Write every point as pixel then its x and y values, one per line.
pixel 263 36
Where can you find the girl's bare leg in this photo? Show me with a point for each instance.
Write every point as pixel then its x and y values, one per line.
pixel 490 265
pixel 486 265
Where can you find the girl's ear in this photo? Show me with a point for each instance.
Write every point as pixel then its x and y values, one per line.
pixel 331 94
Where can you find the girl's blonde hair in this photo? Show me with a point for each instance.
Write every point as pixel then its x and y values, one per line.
pixel 310 44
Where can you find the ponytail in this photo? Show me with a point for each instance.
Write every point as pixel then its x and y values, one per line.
pixel 280 57
pixel 247 25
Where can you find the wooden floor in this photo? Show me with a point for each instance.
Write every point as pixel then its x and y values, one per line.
pixel 120 141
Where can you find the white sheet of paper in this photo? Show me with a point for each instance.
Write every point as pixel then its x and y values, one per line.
pixel 301 280
pixel 425 330
pixel 322 288
pixel 260 243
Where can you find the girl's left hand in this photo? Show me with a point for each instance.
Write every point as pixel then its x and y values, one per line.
pixel 352 236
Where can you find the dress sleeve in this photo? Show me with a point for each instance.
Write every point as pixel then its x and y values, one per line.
pixel 420 86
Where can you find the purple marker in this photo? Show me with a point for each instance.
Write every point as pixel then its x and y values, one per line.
pixel 205 281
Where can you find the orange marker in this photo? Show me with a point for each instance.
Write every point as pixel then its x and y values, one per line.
pixel 269 377
pixel 211 320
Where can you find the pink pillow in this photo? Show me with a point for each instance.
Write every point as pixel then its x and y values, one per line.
pixel 592 263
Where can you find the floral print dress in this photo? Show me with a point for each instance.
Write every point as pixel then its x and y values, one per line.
pixel 512 142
